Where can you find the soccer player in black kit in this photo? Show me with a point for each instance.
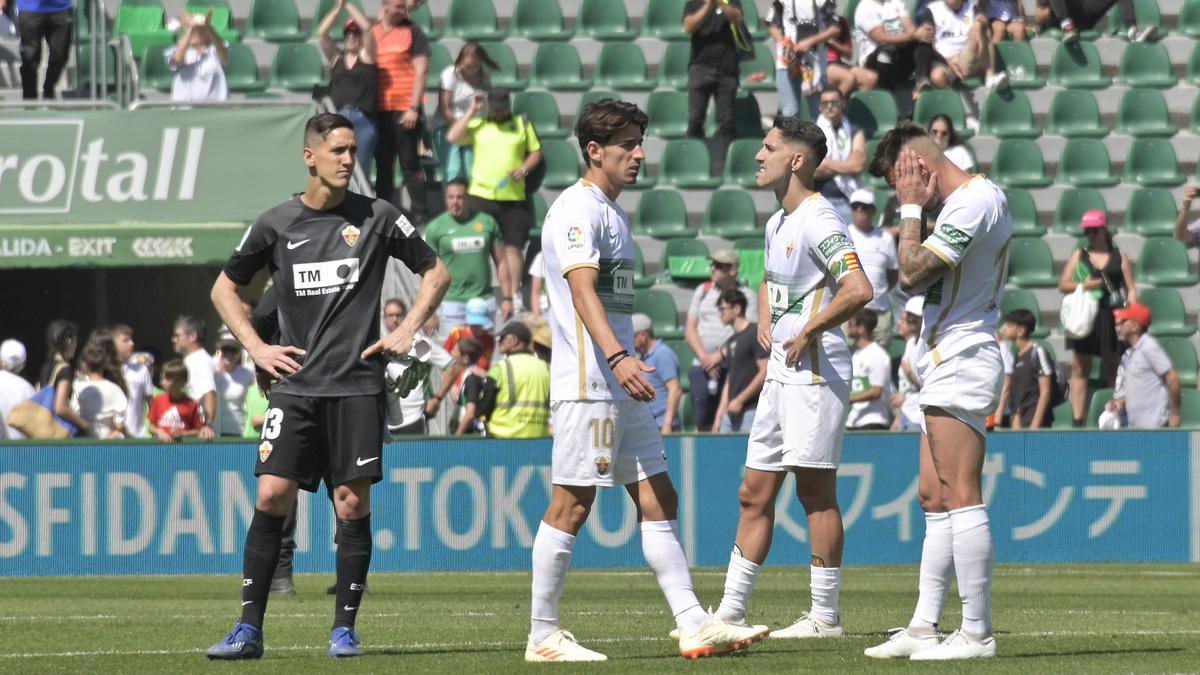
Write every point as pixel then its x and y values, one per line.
pixel 327 249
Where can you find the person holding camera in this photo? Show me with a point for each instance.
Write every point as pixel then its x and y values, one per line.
pixel 800 30
pixel 198 61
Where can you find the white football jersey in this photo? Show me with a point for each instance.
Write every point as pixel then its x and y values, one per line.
pixel 972 236
pixel 584 228
pixel 808 253
pixel 950 28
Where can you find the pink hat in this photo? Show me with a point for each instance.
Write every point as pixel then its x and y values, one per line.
pixel 1093 218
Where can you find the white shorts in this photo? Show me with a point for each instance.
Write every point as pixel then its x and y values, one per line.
pixel 798 425
pixel 966 385
pixel 605 443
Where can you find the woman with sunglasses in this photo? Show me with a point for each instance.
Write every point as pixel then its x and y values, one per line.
pixel 941 130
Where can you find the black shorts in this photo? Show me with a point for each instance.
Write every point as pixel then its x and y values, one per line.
pixel 310 438
pixel 515 219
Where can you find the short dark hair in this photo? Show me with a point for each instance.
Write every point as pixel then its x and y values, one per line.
pixel 121 329
pixel 734 296
pixel 94 358
pixel 396 301
pixel 600 120
pixel 321 124
pixel 832 88
pixel 458 180
pixel 796 129
pixel 471 348
pixel 175 370
pixel 1023 318
pixel 867 319
pixel 191 324
pixel 888 150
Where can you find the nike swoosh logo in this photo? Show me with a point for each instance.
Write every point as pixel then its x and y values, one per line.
pixel 247 603
pixel 297 244
pixel 348 608
pixel 362 462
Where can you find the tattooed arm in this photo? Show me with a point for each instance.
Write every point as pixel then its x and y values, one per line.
pixel 919 266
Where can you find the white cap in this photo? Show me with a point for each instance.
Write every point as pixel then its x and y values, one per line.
pixel 862 196
pixel 641 322
pixel 915 305
pixel 12 355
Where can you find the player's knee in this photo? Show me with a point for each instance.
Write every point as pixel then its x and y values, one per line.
pixel 1017 30
pixel 931 500
pixel 939 79
pixel 755 500
pixel 276 503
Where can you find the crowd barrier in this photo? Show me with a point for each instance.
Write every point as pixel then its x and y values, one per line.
pixel 450 504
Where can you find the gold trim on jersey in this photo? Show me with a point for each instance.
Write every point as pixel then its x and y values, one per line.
pixel 582 357
pixel 814 349
pixel 939 254
pixel 932 342
pixel 576 266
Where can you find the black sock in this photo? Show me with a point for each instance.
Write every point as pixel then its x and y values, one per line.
pixel 353 560
pixel 258 564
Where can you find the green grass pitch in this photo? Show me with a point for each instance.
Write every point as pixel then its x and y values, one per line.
pixel 1049 619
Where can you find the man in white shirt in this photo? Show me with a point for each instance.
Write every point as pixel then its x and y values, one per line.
pixel 1147 390
pixel 814 283
pixel 961 266
pixel 872 367
pixel 956 52
pixel 233 378
pixel 840 173
pixel 188 340
pixel 884 41
pixel 877 251
pixel 138 380
pixel 13 387
pixel 198 60
pixel 908 399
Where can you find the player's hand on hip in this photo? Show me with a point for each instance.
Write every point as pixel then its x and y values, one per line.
pixel 277 360
pixel 914 183
pixel 796 347
pixel 396 343
pixel 629 372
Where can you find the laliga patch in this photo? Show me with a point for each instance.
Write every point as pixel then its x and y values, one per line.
pixel 264 450
pixel 574 237
pixel 405 226
pixel 350 234
pixel 603 462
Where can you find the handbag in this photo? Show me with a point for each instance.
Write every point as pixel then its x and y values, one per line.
pixel 1077 315
pixel 35 416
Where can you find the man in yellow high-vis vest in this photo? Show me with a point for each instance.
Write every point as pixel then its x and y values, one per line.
pixel 522 387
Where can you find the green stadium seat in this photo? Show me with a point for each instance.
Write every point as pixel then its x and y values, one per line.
pixel 673 68
pixel 1018 163
pixel 473 20
pixel 1193 66
pixel 1008 114
pixel 687 414
pixel 595 95
pixel 297 67
pixel 323 8
pixel 662 214
pixel 1031 264
pixel 1151 212
pixel 222 19
pixel 747 118
pixel 622 65
pixel 1167 311
pixel 154 73
pixel 663 19
pixel 1189 18
pixel 1074 113
pixel 763 62
pixel 1100 398
pixel 1143 112
pixel 934 102
pixel 275 21
pixel 540 208
pixel 603 20
pixel 754 24
pixel 423 17
pixel 686 163
pixel 1072 204
pixel 1147 14
pixel 1023 210
pixel 640 278
pixel 1085 163
pixel 1194 117
pixel 241 73
pixel 752 267
pixel 660 307
pixel 740 165
pixel 752 242
pixel 668 112
pixel 686 260
pixel 683 352
pixel 556 66
pixel 1183 358
pixel 1022 298
pixel 1077 66
pixel 873 111
pixel 1146 64
pixel 439 60
pixel 144 25
pixel 540 108
pixel 1063 415
pixel 538 20
pixel 1020 64
pixel 1151 162
pixel 1163 261
pixel 731 214
pixel 1189 408
pixel 509 75
pixel 562 163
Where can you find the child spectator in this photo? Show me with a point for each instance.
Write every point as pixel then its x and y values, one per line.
pixel 468 351
pixel 871 387
pixel 100 402
pixel 172 413
pixel 1031 385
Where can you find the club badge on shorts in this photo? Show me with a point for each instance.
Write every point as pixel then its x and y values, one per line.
pixel 603 462
pixel 350 234
pixel 264 450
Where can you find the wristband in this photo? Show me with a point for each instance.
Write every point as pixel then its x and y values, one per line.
pixel 617 356
pixel 911 211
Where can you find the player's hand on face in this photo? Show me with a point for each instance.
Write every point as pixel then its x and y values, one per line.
pixel 277 359
pixel 410 119
pixel 796 347
pixel 629 372
pixel 396 343
pixel 912 187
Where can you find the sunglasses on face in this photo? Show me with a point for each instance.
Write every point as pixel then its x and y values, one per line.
pixel 862 207
pixel 831 104
pixel 724 267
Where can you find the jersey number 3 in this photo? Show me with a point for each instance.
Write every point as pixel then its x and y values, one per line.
pixel 272 423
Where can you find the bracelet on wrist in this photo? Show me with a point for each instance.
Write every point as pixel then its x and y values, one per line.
pixel 616 356
pixel 620 356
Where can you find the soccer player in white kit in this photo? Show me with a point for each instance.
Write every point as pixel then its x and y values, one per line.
pixel 961 266
pixel 814 284
pixel 605 434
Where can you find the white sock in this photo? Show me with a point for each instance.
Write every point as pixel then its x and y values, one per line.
pixel 664 554
pixel 824 585
pixel 739 583
pixel 973 555
pixel 937 569
pixel 551 559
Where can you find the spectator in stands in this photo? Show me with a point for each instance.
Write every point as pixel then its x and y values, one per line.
pixel 886 40
pixel 706 334
pixel 353 75
pixel 256 411
pixel 406 416
pixel 840 173
pixel 802 65
pixel 1188 233
pixel 188 340
pixel 1076 15
pixel 506 150
pixel 198 60
pixel 716 28
pixel 1147 390
pixel 906 404
pixel 877 253
pixel 665 376
pixel 62 340
pixel 233 380
pixel 468 242
pixel 460 83
pixel 543 341
pixel 840 49
pixel 871 386
pixel 13 387
pixel 959 38
pixel 745 367
pixel 37 21
pixel 173 414
pixel 479 327
pixel 112 368
pixel 522 407
pixel 1103 270
pixel 99 401
pixel 402 56
pixel 139 381
pixel 1006 18
pixel 1002 417
pixel 471 419
pixel 539 302
pixel 1031 384
pixel 941 130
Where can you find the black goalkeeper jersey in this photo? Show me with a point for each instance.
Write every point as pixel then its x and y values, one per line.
pixel 328 268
